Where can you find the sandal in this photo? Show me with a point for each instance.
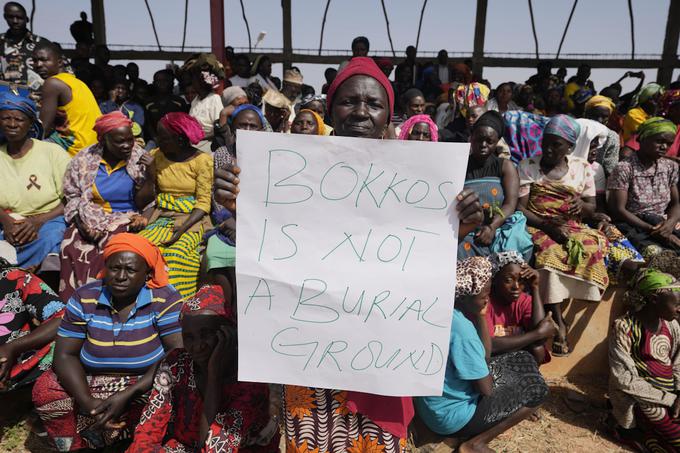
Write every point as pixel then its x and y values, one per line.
pixel 560 347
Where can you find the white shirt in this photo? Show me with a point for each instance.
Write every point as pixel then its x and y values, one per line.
pixel 207 111
pixel 239 81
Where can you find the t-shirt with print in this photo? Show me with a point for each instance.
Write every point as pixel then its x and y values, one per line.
pixel 508 320
pixel 33 184
pixel 649 189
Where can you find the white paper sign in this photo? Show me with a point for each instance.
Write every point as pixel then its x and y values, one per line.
pixel 346 261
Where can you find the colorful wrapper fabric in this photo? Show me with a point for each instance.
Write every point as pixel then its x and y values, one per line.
pixel 524 134
pixel 563 126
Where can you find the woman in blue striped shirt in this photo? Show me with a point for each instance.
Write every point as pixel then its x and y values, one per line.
pixel 114 332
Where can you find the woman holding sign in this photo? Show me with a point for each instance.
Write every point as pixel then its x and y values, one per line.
pixel 360 103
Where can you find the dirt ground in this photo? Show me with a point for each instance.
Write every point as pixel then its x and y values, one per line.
pixel 572 421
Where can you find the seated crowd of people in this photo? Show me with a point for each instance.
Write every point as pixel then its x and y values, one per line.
pixel 131 189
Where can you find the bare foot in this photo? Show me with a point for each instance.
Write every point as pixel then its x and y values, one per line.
pixel 473 447
pixel 535 416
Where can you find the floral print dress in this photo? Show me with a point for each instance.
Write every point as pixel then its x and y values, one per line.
pixel 26 302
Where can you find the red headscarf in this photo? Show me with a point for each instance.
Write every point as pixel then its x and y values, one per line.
pixel 361 66
pixel 209 297
pixel 183 124
pixel 110 121
pixel 128 242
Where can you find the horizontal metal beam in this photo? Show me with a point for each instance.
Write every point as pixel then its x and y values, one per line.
pixel 498 62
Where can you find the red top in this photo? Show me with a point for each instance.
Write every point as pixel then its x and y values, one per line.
pixel 509 320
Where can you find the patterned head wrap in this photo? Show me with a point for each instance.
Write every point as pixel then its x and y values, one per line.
pixel 502 259
pixel 320 125
pixel 209 297
pixel 600 101
pixel 311 98
pixel 11 101
pixel 182 124
pixel 472 274
pixel 361 66
pixel 471 95
pixel 647 92
pixel 407 127
pixel 106 123
pixel 243 107
pixel 655 126
pixel 648 282
pixel 669 99
pixel 563 126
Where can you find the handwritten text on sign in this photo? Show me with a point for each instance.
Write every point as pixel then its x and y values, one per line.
pixel 346 261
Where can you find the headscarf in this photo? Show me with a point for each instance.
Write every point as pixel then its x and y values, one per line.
pixel 471 95
pixel 209 297
pixel 11 101
pixel 502 259
pixel 204 61
pixel 655 126
pixel 523 134
pixel 128 242
pixel 492 119
pixel 472 274
pixel 292 76
pixel 590 130
pixel 647 92
pixel 669 99
pixel 320 125
pixel 600 101
pixel 230 94
pixel 106 123
pixel 563 126
pixel 361 66
pixel 310 98
pixel 648 282
pixel 407 127
pixel 183 124
pixel 243 107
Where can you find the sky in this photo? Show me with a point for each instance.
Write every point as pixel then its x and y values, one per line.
pixel 598 26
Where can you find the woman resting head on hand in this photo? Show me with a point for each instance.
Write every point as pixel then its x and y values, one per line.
pixel 197 387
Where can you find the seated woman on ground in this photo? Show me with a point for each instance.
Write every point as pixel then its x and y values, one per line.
pixel 419 128
pixel 106 187
pixel 32 172
pixel 197 403
pixel 516 319
pixel 643 191
pixel 644 355
pixel 183 178
pixel 557 194
pixel 474 392
pixel 497 183
pixel 97 389
pixel 30 313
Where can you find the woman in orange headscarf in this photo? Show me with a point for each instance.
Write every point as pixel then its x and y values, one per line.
pixel 114 333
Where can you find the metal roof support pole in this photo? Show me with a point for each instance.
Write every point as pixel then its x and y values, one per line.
pixel 98 24
pixel 217 29
pixel 480 32
pixel 287 34
pixel 669 58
